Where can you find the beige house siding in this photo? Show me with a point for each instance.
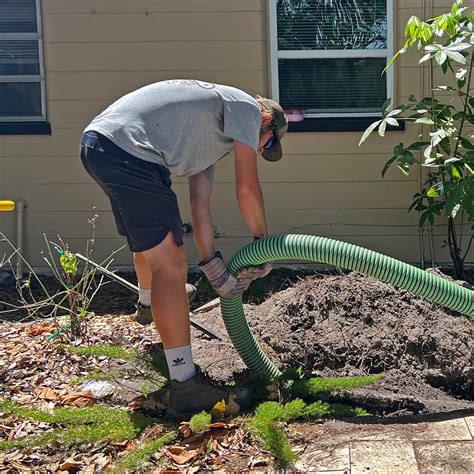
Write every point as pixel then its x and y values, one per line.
pixel 97 50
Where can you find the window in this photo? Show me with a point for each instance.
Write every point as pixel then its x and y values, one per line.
pixel 22 91
pixel 327 56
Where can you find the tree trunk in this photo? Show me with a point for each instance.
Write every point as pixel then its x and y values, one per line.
pixel 455 251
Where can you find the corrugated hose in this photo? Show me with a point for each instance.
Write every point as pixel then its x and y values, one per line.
pixel 340 254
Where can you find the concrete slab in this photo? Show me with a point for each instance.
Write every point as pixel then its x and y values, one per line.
pixel 448 430
pixel 393 432
pixel 383 457
pixel 445 457
pixel 320 459
pixel 470 424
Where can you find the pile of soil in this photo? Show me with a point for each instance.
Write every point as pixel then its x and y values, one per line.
pixel 347 325
pixel 334 325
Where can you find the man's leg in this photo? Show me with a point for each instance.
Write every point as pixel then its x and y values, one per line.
pixel 189 393
pixel 144 276
pixel 142 269
pixel 168 268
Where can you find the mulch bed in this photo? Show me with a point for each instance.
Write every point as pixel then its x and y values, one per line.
pixel 329 325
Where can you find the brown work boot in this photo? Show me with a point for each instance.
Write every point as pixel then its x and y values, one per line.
pixel 199 393
pixel 143 314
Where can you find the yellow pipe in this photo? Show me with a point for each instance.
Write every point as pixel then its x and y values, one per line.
pixel 7 206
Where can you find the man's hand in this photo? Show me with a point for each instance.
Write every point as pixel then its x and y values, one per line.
pixel 222 281
pixel 248 274
pixel 227 285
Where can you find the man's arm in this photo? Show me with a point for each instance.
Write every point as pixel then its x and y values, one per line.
pixel 249 192
pixel 200 190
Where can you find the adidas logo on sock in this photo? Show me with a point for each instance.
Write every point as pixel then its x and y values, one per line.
pixel 178 361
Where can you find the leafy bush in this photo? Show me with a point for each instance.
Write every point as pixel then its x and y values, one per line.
pixel 448 154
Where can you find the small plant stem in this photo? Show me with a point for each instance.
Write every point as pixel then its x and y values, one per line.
pixel 468 247
pixel 432 94
pixel 466 102
pixel 454 249
pixel 16 251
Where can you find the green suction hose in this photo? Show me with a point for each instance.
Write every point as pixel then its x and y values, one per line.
pixel 340 254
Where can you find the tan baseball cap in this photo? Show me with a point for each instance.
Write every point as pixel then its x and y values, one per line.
pixel 280 127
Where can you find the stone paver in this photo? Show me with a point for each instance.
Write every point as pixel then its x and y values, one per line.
pixel 383 457
pixel 448 430
pixel 470 424
pixel 423 447
pixel 453 457
pixel 319 459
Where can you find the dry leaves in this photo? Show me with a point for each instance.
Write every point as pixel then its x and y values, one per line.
pixel 73 399
pixel 208 447
pixel 222 409
pixel 180 455
pixel 78 399
pixel 38 374
pixel 46 394
pixel 42 328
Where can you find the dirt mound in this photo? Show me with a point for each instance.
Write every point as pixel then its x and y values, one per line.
pixel 349 325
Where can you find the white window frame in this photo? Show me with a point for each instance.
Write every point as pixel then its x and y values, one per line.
pixel 38 36
pixel 275 55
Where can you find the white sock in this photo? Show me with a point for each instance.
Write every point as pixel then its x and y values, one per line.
pixel 180 363
pixel 144 296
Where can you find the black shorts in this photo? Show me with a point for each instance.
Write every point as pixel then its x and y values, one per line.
pixel 144 206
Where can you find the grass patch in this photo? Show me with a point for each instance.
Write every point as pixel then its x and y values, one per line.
pixel 76 425
pixel 265 427
pixel 200 421
pixel 313 388
pixel 155 362
pixel 150 386
pixel 141 453
pixel 96 376
pixel 98 350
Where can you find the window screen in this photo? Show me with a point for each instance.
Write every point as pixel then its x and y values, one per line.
pixel 21 74
pixel 331 55
pixel 348 85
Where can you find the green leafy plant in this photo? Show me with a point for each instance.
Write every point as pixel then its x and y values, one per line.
pixel 448 151
pixel 107 350
pixel 75 426
pixel 96 376
pixel 139 454
pixel 265 425
pixel 313 388
pixel 76 286
pixel 200 422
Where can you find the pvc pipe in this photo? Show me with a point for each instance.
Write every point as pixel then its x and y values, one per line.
pixel 20 208
pixel 340 254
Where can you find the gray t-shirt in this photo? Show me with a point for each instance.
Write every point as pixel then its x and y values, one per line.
pixel 185 125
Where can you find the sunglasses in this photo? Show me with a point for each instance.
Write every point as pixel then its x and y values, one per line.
pixel 273 139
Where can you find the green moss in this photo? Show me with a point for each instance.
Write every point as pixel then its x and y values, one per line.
pixel 275 440
pixel 108 350
pixel 150 386
pixel 77 425
pixel 313 388
pixel 141 453
pixel 321 409
pixel 200 421
pixel 72 416
pixel 96 375
pixel 265 428
pixel 155 362
pixel 264 424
